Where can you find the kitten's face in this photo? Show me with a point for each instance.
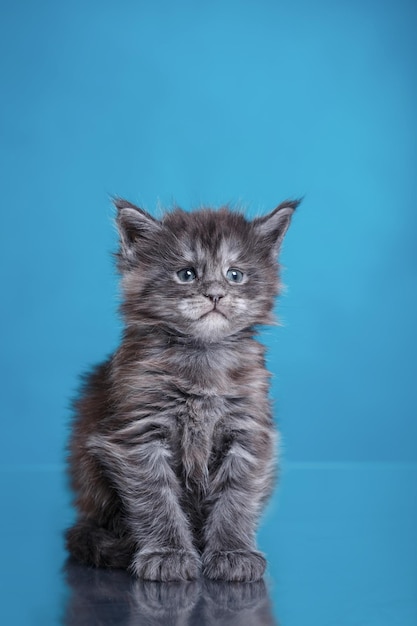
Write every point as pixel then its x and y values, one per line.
pixel 207 274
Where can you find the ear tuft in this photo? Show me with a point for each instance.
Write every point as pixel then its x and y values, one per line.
pixel 133 224
pixel 272 227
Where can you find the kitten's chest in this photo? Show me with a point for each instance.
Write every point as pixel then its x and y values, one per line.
pixel 212 390
pixel 200 422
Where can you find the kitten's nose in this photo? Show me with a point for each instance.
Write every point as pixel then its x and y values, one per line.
pixel 214 292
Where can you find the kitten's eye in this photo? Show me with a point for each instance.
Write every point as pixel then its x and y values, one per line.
pixel 187 275
pixel 234 275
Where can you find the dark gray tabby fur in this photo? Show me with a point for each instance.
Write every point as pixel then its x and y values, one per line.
pixel 172 453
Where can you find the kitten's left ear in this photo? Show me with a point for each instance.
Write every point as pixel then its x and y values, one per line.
pixel 273 227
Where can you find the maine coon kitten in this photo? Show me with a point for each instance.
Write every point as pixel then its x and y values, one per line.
pixel 172 446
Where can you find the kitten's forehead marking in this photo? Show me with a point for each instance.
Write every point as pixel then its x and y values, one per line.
pixel 223 254
pixel 230 250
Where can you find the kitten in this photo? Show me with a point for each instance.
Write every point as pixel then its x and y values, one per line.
pixel 172 447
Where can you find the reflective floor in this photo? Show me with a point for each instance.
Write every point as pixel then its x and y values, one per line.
pixel 341 543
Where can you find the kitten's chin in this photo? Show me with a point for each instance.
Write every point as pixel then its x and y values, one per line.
pixel 213 314
pixel 211 327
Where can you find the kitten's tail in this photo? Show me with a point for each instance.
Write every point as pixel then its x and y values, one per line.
pixel 94 545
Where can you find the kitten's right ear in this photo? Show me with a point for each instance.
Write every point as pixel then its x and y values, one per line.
pixel 133 224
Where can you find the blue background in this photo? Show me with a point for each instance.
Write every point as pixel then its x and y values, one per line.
pixel 213 102
pixel 196 103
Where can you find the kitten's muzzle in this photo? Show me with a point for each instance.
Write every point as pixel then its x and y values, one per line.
pixel 216 310
pixel 215 299
pixel 214 292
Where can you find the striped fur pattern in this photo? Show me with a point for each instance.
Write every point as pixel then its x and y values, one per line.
pixel 172 451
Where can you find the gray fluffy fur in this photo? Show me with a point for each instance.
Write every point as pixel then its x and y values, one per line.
pixel 172 453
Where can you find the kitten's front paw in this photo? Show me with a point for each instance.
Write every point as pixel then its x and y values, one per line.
pixel 166 565
pixel 234 565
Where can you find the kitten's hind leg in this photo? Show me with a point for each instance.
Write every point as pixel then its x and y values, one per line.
pixel 92 544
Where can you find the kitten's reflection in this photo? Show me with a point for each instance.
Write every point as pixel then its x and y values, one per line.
pixel 112 597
